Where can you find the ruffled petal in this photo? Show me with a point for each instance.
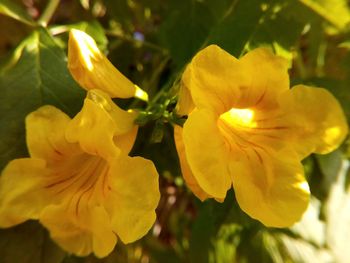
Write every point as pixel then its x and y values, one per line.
pixel 133 198
pixel 96 125
pixel 92 70
pixel 22 193
pixel 45 136
pixel 212 77
pixel 81 235
pixel 270 187
pixel 185 168
pixel 219 81
pixel 321 125
pixel 268 79
pixel 206 153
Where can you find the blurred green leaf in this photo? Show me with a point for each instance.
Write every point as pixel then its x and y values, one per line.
pixel 226 243
pixel 37 75
pixel 253 246
pixel 335 12
pixel 28 243
pixel 203 231
pixel 13 9
pixel 186 29
pixel 237 25
pixel 278 30
pixel 92 28
pixel 330 165
pixel 159 254
pixel 119 10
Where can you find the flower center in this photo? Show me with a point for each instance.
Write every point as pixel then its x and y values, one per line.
pixel 239 128
pixel 239 117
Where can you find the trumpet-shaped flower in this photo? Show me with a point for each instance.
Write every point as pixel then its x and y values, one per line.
pixel 92 70
pixel 79 180
pixel 247 129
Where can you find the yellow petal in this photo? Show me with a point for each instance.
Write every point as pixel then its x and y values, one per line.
pixel 185 168
pixel 275 191
pixel 212 78
pixel 185 103
pixel 22 194
pixel 321 123
pixel 96 125
pixel 219 81
pixel 90 232
pixel 45 136
pixel 206 153
pixel 134 197
pixel 92 70
pixel 124 119
pixel 269 78
pixel 126 141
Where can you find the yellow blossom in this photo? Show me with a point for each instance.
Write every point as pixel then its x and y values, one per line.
pixel 247 129
pixel 92 70
pixel 79 181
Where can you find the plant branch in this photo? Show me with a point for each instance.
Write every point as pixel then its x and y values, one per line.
pixel 48 12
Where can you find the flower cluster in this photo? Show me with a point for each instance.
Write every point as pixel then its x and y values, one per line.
pixel 79 181
pixel 246 128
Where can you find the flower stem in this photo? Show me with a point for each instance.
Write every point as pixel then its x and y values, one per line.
pixel 48 12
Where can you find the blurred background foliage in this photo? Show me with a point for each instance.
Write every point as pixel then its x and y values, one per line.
pixel 151 41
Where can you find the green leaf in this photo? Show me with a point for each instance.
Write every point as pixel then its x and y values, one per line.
pixel 330 165
pixel 119 10
pixel 92 28
pixel 210 229
pixel 203 231
pixel 28 243
pixel 37 75
pixel 335 12
pixel 186 29
pixel 237 26
pixel 16 11
pixel 278 30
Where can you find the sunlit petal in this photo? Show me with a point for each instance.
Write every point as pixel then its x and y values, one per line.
pixel 92 70
pixel 321 123
pixel 217 80
pixel 271 188
pixel 22 196
pixel 98 116
pixel 80 235
pixel 133 198
pixel 185 168
pixel 209 166
pixel 45 134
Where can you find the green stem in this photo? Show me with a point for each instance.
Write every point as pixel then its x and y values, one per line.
pixel 48 12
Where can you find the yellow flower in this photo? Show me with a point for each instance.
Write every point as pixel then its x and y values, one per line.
pixel 79 181
pixel 92 70
pixel 247 129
